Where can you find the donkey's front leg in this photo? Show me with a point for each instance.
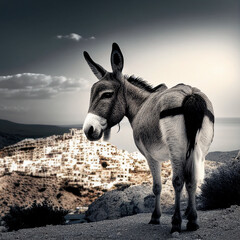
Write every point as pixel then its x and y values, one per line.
pixel 155 168
pixel 178 182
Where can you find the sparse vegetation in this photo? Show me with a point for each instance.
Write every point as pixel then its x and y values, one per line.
pixel 35 216
pixel 42 189
pixel 104 164
pixel 76 190
pixel 222 188
pixel 59 195
pixel 16 184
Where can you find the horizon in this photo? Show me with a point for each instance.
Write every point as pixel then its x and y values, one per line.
pixel 125 120
pixel 225 128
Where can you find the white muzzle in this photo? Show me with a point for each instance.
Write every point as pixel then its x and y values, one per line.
pixel 94 126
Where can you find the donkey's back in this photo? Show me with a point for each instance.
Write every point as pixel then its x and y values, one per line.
pixel 170 120
pixel 191 113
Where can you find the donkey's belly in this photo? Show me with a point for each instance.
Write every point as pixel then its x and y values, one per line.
pixel 158 152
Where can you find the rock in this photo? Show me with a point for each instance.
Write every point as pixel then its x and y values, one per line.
pixel 116 204
pixel 175 235
pixel 140 199
pixel 3 229
pixel 221 156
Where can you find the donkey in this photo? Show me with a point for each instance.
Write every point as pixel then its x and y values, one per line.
pixel 175 124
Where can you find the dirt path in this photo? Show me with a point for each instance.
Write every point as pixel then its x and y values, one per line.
pixel 220 224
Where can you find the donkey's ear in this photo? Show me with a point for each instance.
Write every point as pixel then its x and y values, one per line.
pixel 98 70
pixel 116 59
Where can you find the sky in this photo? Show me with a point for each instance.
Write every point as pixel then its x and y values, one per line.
pixel 44 78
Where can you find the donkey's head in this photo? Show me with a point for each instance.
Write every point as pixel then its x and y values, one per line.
pixel 107 102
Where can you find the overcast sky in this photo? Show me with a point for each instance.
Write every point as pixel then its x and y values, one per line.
pixel 44 78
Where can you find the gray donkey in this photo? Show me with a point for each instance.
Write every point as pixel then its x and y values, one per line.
pixel 175 124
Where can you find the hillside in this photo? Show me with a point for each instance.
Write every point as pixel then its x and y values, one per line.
pixel 20 189
pixel 11 133
pixel 17 189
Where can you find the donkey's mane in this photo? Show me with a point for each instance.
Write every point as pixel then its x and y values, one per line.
pixel 139 82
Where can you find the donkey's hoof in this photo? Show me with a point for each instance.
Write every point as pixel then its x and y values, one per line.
pixel 176 228
pixel 192 226
pixel 154 221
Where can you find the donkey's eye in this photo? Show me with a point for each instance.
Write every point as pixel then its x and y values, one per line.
pixel 107 95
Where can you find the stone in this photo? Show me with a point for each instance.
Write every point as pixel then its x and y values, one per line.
pixel 175 234
pixel 116 204
pixel 3 229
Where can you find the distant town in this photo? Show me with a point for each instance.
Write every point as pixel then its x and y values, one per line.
pixel 71 156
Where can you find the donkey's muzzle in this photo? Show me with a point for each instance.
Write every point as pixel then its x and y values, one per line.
pixel 93 135
pixel 94 126
pixel 90 131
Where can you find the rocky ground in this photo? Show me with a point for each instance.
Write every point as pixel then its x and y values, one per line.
pixel 140 199
pixel 16 189
pixel 135 200
pixel 214 225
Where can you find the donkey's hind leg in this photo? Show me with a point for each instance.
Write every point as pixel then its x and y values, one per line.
pixel 194 172
pixel 191 212
pixel 178 182
pixel 155 168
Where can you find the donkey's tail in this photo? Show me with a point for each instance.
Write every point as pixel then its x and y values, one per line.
pixel 194 109
pixel 194 168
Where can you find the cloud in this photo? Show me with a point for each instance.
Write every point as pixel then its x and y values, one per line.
pixel 38 86
pixel 13 109
pixel 74 37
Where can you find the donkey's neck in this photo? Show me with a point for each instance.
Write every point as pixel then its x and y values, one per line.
pixel 135 97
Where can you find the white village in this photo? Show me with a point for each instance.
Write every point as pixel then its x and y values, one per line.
pixel 71 156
